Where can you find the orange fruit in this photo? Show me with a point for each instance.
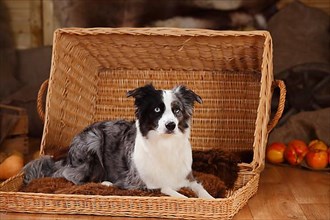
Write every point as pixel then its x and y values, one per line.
pixel 11 166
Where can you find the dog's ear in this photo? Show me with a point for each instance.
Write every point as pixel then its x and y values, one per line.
pixel 141 92
pixel 77 175
pixel 189 97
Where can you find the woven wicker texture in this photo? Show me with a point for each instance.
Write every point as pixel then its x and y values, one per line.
pixel 92 69
pixel 163 207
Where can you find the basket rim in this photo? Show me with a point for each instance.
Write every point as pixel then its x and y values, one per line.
pixel 229 202
pixel 164 31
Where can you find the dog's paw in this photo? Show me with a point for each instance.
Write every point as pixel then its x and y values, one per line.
pixel 107 183
pixel 172 193
pixel 205 195
pixel 199 190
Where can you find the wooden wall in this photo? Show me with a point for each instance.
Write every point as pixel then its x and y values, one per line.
pixel 32 21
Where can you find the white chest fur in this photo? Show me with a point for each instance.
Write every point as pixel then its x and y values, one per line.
pixel 163 161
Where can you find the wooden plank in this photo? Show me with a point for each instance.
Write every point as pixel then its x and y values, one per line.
pixel 21 127
pixel 50 22
pixel 13 125
pixel 36 23
pixel 19 13
pixel 17 110
pixel 312 188
pixel 20 20
pixel 21 27
pixel 29 13
pixel 23 40
pixel 21 118
pixel 316 211
pixel 275 201
pixel 244 214
pixel 307 186
pixel 271 174
pixel 293 175
pixel 17 3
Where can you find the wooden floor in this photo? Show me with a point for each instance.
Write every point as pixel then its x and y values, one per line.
pixel 284 193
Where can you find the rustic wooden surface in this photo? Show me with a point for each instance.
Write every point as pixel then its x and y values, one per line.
pixel 284 193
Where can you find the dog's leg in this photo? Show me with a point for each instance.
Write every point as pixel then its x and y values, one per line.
pixel 199 190
pixel 107 183
pixel 171 192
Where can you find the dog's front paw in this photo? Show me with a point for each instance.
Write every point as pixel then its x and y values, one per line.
pixel 172 193
pixel 200 191
pixel 107 183
pixel 205 195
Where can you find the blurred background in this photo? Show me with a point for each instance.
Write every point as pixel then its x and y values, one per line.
pixel 300 31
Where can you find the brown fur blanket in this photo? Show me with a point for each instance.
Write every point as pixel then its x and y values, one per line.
pixel 217 170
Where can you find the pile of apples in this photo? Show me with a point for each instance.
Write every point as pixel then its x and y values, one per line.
pixel 316 154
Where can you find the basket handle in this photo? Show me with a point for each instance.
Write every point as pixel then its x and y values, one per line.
pixel 280 84
pixel 40 104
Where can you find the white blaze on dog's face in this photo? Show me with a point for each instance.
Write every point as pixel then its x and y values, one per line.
pixel 163 112
pixel 171 115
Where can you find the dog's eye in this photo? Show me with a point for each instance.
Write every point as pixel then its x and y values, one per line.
pixel 177 111
pixel 157 109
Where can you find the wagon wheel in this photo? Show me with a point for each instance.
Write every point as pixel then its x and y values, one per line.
pixel 308 88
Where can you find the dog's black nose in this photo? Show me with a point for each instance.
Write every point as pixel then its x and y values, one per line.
pixel 170 126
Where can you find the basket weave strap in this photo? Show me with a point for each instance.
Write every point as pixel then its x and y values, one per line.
pixel 40 104
pixel 280 84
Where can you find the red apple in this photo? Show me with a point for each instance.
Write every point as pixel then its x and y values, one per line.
pixel 317 145
pixel 317 159
pixel 295 152
pixel 275 152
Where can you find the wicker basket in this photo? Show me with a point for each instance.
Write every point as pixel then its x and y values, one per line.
pixel 93 68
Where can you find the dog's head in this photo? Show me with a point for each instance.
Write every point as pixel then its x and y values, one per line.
pixel 164 111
